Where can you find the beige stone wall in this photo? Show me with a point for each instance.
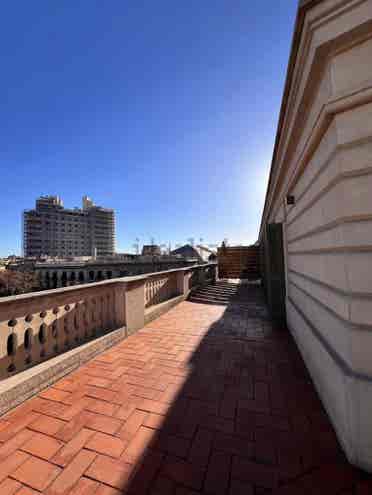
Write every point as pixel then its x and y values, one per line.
pixel 324 158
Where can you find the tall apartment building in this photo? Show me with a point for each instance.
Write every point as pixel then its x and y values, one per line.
pixel 52 230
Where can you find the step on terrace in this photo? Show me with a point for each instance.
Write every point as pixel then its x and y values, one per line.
pixel 209 398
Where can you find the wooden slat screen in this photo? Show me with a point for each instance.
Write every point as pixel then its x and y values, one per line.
pixel 238 262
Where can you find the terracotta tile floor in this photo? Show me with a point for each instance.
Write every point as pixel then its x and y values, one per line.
pixel 206 399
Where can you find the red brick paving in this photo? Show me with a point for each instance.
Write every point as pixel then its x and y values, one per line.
pixel 208 399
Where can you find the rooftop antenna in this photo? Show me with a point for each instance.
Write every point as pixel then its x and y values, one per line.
pixel 136 245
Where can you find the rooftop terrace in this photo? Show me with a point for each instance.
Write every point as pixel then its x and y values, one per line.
pixel 207 399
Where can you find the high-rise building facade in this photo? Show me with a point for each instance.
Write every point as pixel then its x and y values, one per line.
pixel 52 230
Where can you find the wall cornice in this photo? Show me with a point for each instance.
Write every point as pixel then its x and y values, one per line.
pixel 307 46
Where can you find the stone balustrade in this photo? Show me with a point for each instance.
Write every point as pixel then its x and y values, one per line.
pixel 160 288
pixel 38 326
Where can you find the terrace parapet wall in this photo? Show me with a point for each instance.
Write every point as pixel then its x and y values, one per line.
pixel 37 327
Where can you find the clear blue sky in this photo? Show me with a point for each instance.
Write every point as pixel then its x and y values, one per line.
pixel 164 110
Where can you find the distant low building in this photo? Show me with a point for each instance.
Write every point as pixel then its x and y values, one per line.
pixel 188 252
pixel 53 274
pixel 151 250
pixel 206 253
